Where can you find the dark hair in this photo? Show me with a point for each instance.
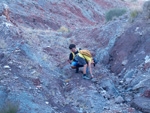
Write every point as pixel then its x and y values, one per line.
pixel 72 46
pixel 95 61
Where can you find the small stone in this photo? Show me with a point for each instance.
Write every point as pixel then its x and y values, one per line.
pixel 124 62
pixel 106 108
pixel 10 62
pixel 20 67
pixel 38 86
pixel 140 33
pixel 119 100
pixel 47 103
pixel 33 72
pixel 128 80
pixel 6 67
pixel 16 78
pixel 147 93
pixel 137 28
pixel 121 82
pixel 128 98
pixel 147 59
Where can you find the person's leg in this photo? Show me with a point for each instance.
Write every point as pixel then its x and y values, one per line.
pixel 84 69
pixel 82 61
pixel 74 66
pixel 87 70
pixel 78 65
pixel 84 72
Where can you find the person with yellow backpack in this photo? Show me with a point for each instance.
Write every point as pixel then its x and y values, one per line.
pixel 84 58
pixel 74 63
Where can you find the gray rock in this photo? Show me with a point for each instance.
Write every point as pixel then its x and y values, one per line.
pixel 128 98
pixel 108 85
pixel 146 10
pixel 1 56
pixel 119 100
pixel 142 84
pixel 3 96
pixel 142 104
pixel 128 80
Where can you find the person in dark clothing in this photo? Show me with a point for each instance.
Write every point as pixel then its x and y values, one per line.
pixel 74 63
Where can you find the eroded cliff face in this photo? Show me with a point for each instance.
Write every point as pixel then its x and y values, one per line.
pixel 129 59
pixel 34 71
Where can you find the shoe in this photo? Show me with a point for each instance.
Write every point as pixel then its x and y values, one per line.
pixel 85 77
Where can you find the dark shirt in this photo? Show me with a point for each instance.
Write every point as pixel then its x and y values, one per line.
pixel 71 55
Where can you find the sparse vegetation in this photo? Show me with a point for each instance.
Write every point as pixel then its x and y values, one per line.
pixel 114 13
pixel 63 29
pixel 134 14
pixel 10 108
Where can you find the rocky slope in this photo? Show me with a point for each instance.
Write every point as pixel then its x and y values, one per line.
pixel 129 59
pixel 34 71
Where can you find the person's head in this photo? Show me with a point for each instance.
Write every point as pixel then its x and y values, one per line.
pixel 94 61
pixel 72 47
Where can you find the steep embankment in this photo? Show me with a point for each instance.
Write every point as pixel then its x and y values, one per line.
pixel 34 48
pixel 54 14
pixel 130 59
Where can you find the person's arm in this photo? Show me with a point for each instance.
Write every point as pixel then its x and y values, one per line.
pixel 70 61
pixel 90 69
pixel 70 58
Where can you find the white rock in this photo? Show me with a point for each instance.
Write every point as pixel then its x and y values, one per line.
pixel 147 59
pixel 16 77
pixel 121 81
pixel 33 72
pixel 6 67
pixel 119 99
pixel 124 62
pixel 46 102
pixel 137 28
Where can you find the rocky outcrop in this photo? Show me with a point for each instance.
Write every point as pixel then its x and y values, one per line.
pixel 131 48
pixel 34 71
pixel 129 60
pixel 143 104
pixel 146 10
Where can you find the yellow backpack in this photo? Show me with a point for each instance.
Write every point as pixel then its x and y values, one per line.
pixel 86 53
pixel 74 54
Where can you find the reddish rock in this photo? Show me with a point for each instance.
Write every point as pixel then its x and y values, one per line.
pixel 36 82
pixel 131 47
pixel 147 93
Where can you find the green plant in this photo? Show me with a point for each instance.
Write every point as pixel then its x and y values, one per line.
pixel 63 29
pixel 10 108
pixel 114 13
pixel 134 14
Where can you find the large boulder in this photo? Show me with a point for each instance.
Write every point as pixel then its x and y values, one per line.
pixel 142 104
